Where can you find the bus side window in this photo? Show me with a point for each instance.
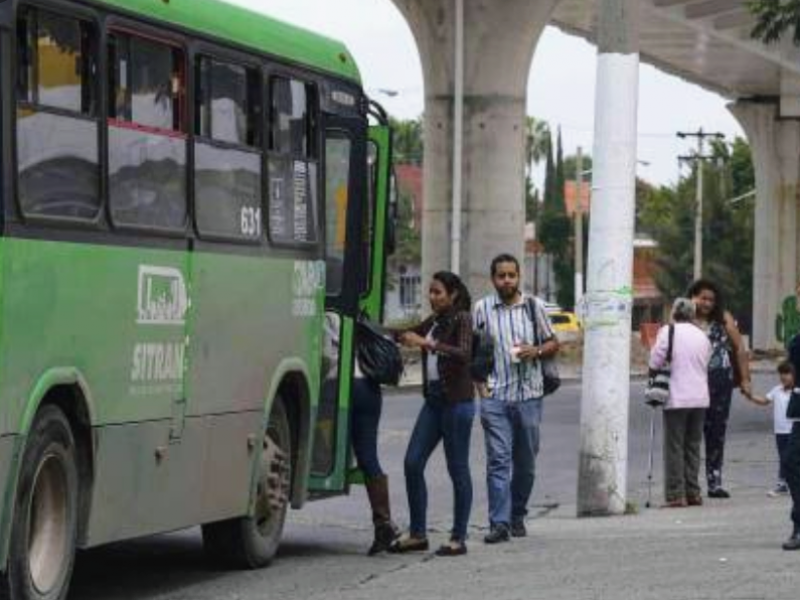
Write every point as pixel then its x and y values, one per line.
pixel 57 148
pixel 146 137
pixel 227 152
pixel 293 163
pixel 338 149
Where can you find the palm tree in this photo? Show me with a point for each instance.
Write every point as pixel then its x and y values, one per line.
pixel 537 142
pixel 775 18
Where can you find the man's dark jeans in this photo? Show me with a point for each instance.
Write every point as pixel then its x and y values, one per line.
pixel 791 468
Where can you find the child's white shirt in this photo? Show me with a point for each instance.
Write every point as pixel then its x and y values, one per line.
pixel 779 396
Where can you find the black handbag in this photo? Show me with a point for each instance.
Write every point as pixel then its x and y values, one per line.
pixel 657 391
pixel 377 354
pixel 551 378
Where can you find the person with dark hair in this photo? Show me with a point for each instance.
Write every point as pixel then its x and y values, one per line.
pixel 790 461
pixel 365 416
pixel 728 368
pixel 684 412
pixel 445 339
pixel 511 404
pixel 367 400
pixel 779 397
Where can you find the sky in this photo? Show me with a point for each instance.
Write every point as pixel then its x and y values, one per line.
pixel 385 51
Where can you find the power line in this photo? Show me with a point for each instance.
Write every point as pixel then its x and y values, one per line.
pixel 700 158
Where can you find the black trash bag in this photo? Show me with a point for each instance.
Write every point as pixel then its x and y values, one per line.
pixel 377 354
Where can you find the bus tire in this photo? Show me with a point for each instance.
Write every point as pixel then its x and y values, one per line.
pixel 44 528
pixel 252 542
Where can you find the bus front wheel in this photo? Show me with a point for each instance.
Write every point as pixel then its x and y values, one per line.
pixel 44 530
pixel 252 542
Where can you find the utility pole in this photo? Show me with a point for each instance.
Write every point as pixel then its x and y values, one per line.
pixel 608 304
pixel 698 210
pixel 458 141
pixel 579 228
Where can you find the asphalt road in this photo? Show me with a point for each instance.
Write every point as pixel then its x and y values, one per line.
pixel 323 551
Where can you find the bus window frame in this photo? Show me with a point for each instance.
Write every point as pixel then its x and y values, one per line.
pixel 93 18
pixel 271 72
pixel 251 62
pixel 167 37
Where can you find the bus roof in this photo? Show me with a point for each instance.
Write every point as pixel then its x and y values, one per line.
pixel 236 24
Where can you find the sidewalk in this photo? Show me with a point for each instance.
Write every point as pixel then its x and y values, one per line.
pixel 725 550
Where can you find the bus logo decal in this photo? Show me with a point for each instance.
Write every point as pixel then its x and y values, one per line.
pixel 162 297
pixel 307 282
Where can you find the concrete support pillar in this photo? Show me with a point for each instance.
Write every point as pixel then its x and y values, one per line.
pixel 499 44
pixel 776 269
pixel 602 479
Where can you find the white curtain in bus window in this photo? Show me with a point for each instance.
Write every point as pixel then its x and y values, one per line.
pixel 57 146
pixel 228 192
pixel 226 102
pixel 292 201
pixel 147 149
pixel 290 124
pixel 337 182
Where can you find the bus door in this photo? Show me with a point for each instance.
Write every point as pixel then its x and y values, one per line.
pixel 345 186
pixel 380 213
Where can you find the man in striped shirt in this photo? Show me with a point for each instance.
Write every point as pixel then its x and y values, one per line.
pixel 511 404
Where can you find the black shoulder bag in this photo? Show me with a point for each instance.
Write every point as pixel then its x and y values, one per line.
pixel 377 354
pixel 550 376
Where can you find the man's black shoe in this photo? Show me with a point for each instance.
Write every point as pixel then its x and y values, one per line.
pixel 793 543
pixel 518 528
pixel 718 493
pixel 498 534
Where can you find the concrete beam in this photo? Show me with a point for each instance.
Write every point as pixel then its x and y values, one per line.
pixel 499 46
pixel 776 270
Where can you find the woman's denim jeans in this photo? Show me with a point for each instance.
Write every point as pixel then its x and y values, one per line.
pixel 451 423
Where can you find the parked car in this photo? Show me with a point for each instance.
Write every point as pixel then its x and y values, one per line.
pixel 566 325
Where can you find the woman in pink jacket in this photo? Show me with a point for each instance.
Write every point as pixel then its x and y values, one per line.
pixel 684 412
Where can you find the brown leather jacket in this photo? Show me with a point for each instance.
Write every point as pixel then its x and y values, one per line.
pixel 453 337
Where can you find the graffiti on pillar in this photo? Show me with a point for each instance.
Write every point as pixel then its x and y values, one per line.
pixel 787 324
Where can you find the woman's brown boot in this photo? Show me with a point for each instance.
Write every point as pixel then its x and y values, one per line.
pixel 386 531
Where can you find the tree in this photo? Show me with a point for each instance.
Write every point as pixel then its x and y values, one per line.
pixel 555 227
pixel 774 18
pixel 667 214
pixel 407 141
pixel 537 141
pixel 538 145
pixel 409 244
pixel 571 168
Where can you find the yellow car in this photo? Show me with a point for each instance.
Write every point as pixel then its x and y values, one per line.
pixel 566 326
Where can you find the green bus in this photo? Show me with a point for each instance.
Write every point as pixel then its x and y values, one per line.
pixel 194 199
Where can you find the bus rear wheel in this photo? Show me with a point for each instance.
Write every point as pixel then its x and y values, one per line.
pixel 44 529
pixel 252 542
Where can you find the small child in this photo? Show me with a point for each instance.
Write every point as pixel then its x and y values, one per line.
pixel 779 397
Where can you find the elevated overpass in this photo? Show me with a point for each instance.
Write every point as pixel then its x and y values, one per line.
pixel 476 57
pixel 707 42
